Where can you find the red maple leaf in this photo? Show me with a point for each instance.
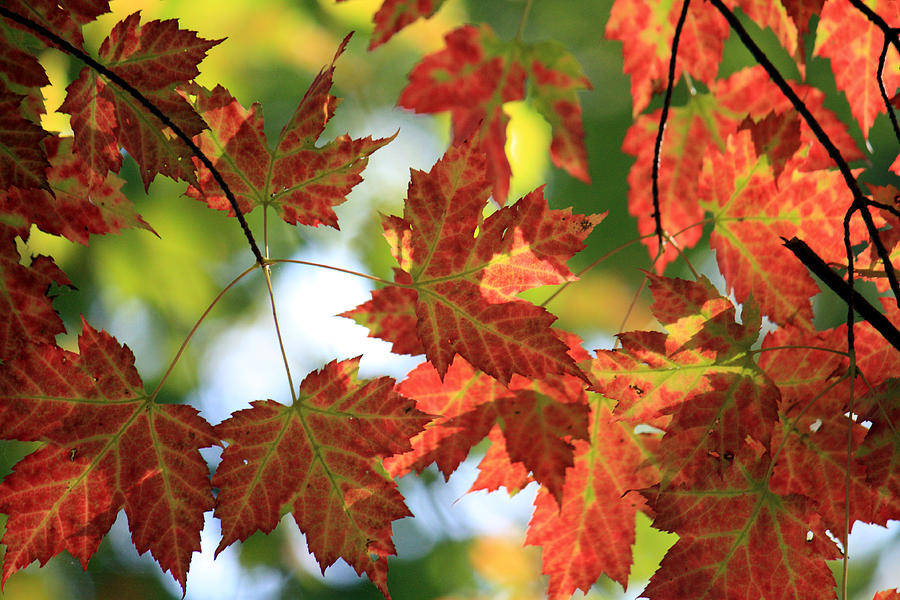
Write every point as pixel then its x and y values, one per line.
pixel 22 159
pixel 853 43
pixel 466 284
pixel 776 16
pixel 738 539
pixel 477 73
pixel 394 15
pixel 78 203
pixel 153 58
pixel 538 418
pixel 655 372
pixel 320 460
pixel 646 29
pixel 301 181
pixel 62 18
pixel 591 530
pixel 28 315
pixel 107 446
pixel 752 211
pixel 745 100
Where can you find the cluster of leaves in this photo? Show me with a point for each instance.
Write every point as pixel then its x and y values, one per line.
pixel 757 456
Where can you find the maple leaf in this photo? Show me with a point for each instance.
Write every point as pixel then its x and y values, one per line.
pixel 320 460
pixel 687 127
pixel 394 15
pixel 477 73
pixel 22 159
pixel 745 100
pixel 19 68
pixel 153 58
pixel 28 315
pixel 538 418
pixel 801 11
pixel 591 530
pixel 654 372
pixel 880 452
pixel 853 44
pixel 300 180
pixel 752 211
pixel 107 446
pixel 776 16
pixel 80 202
pixel 751 93
pixel 62 18
pixel 695 382
pixel 496 469
pixel 646 29
pixel 738 539
pixel 466 284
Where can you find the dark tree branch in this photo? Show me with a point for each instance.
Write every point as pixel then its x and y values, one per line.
pixel 843 289
pixel 860 202
pixel 151 108
pixel 664 117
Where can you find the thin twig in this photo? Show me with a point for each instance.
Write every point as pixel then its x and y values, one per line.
pixel 845 562
pixel 664 117
pixel 151 108
pixel 196 326
pixel 342 270
pixel 287 367
pixel 523 19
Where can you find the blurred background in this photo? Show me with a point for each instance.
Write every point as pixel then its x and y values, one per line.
pixel 149 292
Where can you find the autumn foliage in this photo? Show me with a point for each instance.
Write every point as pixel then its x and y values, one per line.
pixel 756 446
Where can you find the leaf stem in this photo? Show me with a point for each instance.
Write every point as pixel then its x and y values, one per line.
pixel 592 265
pixel 791 347
pixel 340 269
pixel 151 108
pixel 523 19
pixel 634 300
pixel 194 330
pixel 683 256
pixel 287 367
pixel 619 248
pixel 664 117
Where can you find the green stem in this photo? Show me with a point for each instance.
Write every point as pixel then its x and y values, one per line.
pixel 671 237
pixel 845 563
pixel 524 18
pixel 348 271
pixel 287 367
pixel 194 330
